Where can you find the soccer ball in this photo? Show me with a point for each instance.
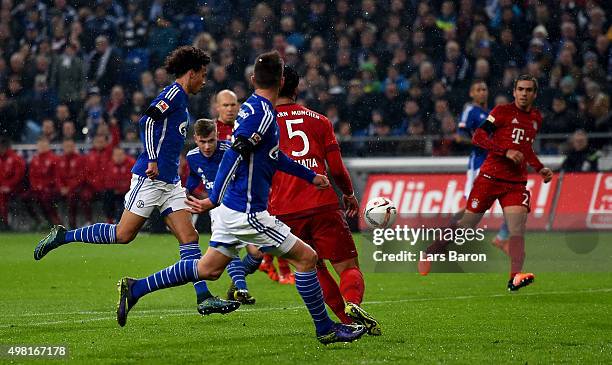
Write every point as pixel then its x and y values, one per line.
pixel 380 213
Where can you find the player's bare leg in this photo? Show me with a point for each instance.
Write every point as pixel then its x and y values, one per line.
pixel 128 227
pixel 352 288
pixel 468 220
pixel 516 218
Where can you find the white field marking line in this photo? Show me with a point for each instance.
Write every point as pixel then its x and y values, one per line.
pixel 180 312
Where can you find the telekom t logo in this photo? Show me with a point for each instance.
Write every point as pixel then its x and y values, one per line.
pixel 517 135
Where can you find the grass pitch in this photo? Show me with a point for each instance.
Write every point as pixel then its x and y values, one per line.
pixel 69 298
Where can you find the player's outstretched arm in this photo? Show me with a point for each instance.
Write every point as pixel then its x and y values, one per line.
pixel 287 165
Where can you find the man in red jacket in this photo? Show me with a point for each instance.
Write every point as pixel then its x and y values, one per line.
pixel 43 181
pixel 12 171
pixel 118 177
pixel 96 165
pixel 70 177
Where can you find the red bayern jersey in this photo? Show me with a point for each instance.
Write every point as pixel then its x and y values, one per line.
pixel 97 164
pixel 71 172
pixel 308 138
pixel 12 170
pixel 514 129
pixel 118 176
pixel 224 131
pixel 43 171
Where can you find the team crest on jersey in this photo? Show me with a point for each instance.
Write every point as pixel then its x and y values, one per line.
pixel 183 129
pixel 140 204
pixel 514 121
pixel 474 203
pixel 162 106
pixel 243 114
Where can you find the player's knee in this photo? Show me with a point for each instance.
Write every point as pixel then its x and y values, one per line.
pixel 210 274
pixel 125 236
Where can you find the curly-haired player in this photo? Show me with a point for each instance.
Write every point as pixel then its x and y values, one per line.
pixel 155 181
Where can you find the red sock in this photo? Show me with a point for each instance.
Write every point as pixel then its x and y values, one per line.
pixel 267 259
pixel 352 285
pixel 331 294
pixel 283 266
pixel 517 254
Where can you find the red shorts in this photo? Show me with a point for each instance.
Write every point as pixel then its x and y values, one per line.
pixel 327 232
pixel 487 190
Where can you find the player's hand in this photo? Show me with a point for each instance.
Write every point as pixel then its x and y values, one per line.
pixel 198 206
pixel 546 174
pixel 351 205
pixel 516 156
pixel 152 171
pixel 321 182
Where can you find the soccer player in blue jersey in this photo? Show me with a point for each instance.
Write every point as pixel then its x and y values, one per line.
pixel 240 192
pixel 203 162
pixel 155 181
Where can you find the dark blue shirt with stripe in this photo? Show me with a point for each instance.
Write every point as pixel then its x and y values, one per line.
pixel 204 169
pixel 163 139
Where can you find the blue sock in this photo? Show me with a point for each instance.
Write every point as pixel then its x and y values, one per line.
pixel 251 264
pixel 96 233
pixel 191 251
pixel 236 271
pixel 309 288
pixel 182 272
pixel 503 233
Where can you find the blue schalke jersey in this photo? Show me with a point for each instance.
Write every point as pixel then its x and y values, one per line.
pixel 472 117
pixel 243 182
pixel 163 130
pixel 204 169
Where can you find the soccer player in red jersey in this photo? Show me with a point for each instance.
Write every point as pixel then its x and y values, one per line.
pixel 508 135
pixel 12 171
pixel 315 215
pixel 227 110
pixel 70 176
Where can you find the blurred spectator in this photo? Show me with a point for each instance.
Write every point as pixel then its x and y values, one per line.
pixel 163 38
pixel 104 66
pixel 117 106
pixel 71 178
pixel 118 178
pixel 581 157
pixel 12 172
pixel 69 131
pixel 49 131
pixel 562 119
pixel 67 76
pixel 9 125
pixel 43 177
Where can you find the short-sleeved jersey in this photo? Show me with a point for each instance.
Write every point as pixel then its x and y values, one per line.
pixel 246 185
pixel 515 129
pixel 163 137
pixel 472 117
pixel 204 169
pixel 306 137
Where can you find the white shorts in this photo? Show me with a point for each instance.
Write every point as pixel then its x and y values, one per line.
pixel 146 194
pixel 469 181
pixel 232 230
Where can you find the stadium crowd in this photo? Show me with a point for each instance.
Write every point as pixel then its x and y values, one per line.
pixel 85 70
